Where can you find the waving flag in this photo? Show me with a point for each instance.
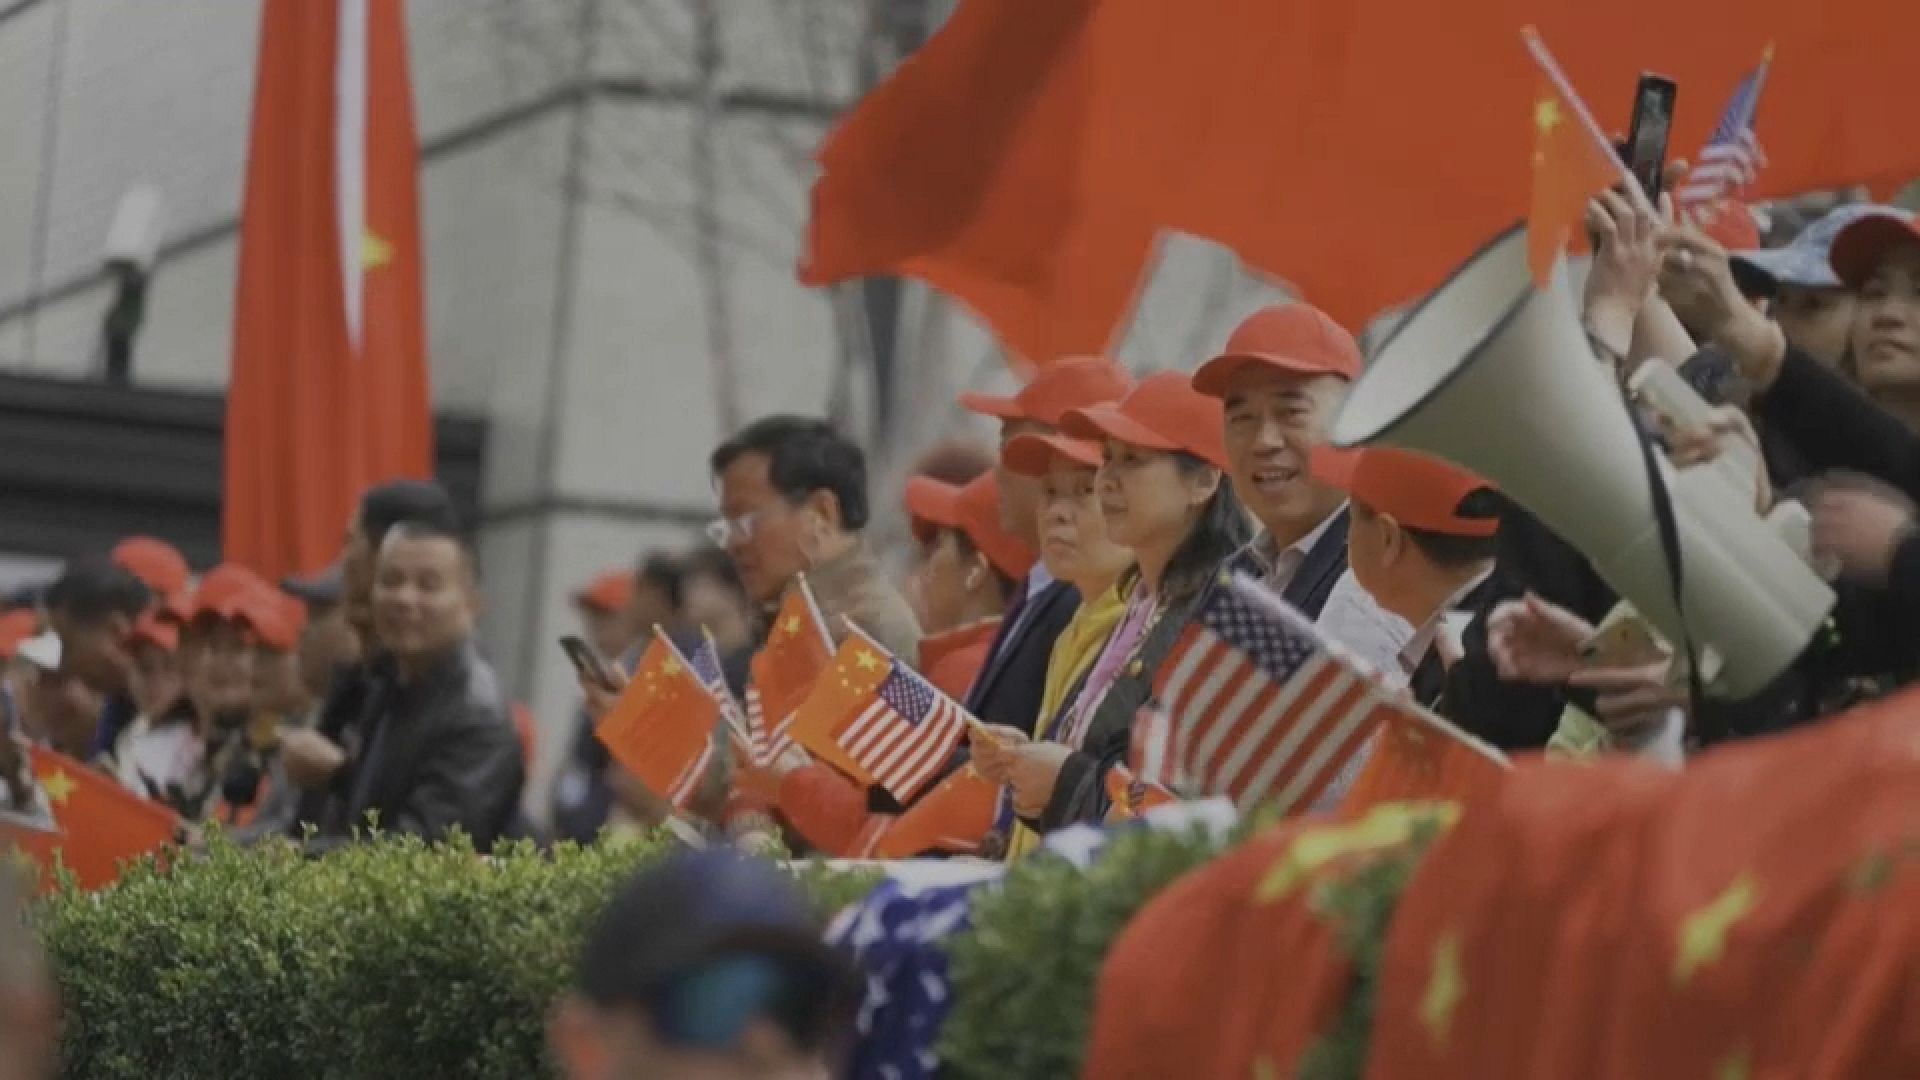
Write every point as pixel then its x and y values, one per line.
pixel 1572 162
pixel 1420 756
pixel 1262 708
pixel 797 650
pixel 1732 157
pixel 85 821
pixel 661 729
pixel 328 393
pixel 877 720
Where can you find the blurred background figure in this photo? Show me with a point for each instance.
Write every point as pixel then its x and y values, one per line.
pixel 708 965
pixel 1808 301
pixel 93 607
pixel 971 568
pixel 608 609
pixel 158 564
pixel 714 598
pixel 328 642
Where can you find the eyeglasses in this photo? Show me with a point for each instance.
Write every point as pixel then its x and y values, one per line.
pixel 723 531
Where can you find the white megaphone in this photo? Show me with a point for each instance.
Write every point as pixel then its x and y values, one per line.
pixel 1496 375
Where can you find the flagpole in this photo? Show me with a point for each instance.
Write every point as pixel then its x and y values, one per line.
pixel 1551 69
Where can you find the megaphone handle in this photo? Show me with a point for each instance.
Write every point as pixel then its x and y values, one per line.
pixel 1669 531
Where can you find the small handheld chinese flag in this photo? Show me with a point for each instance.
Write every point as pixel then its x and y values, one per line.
pixel 1572 162
pixel 798 649
pixel 1418 756
pixel 92 823
pixel 661 729
pixel 953 818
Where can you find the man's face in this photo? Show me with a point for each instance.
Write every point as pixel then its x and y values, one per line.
pixel 1020 495
pixel 328 642
pixel 64 711
pixel 1817 320
pixel 423 595
pixel 96 652
pixel 764 538
pixel 1274 421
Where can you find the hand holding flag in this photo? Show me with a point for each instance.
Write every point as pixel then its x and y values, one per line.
pixel 90 823
pixel 875 719
pixel 1572 162
pixel 661 728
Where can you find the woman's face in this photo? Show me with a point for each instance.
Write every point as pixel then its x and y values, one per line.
pixel 1073 529
pixel 220 667
pixel 1817 320
pixel 1886 324
pixel 940 582
pixel 157 681
pixel 1148 500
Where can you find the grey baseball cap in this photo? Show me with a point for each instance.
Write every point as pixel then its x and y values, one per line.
pixel 1807 261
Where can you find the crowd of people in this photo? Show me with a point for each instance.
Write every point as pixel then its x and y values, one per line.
pixel 1054 575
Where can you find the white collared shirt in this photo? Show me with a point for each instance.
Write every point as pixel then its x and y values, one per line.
pixel 1280 565
pixel 1423 639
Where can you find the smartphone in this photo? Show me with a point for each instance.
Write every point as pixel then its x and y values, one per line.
pixel 588 661
pixel 1646 151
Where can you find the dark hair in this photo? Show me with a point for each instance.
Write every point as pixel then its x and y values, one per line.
pixel 417 502
pixel 1451 550
pixel 804 456
pixel 1221 530
pixel 422 529
pixel 666 574
pixel 94 588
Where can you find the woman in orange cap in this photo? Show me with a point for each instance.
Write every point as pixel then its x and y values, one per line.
pixel 1077 550
pixel 1165 497
pixel 970 567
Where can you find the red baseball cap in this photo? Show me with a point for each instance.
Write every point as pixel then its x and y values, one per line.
pixel 234 593
pixel 1418 491
pixel 1164 412
pixel 974 509
pixel 611 592
pixel 1072 383
pixel 155 562
pixel 1297 338
pixel 1034 455
pixel 1858 248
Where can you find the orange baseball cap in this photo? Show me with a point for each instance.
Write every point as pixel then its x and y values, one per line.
pixel 974 509
pixel 155 562
pixel 1164 412
pixel 1072 383
pixel 236 594
pixel 1418 491
pixel 1296 338
pixel 611 592
pixel 1858 248
pixel 16 628
pixel 1034 455
pixel 154 630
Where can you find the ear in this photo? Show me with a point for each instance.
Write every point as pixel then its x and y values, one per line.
pixel 1202 485
pixel 825 507
pixel 1393 538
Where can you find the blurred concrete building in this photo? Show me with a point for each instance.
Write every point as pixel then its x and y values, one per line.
pixel 613 194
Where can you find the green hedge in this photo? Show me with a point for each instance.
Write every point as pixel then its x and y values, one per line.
pixel 390 960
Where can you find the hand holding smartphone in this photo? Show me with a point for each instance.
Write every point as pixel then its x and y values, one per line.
pixel 589 663
pixel 1646 151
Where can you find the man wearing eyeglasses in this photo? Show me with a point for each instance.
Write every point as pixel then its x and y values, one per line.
pixel 793 499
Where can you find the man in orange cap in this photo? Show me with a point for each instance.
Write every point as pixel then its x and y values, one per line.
pixel 1421 543
pixel 1010 683
pixel 1281 377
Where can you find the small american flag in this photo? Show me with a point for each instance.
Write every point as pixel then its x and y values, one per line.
pixel 1732 156
pixel 1262 708
pixel 704 662
pixel 906 734
pixel 764 744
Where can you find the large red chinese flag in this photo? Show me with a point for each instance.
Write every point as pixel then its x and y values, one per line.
pixel 1572 162
pixel 328 393
pixel 1026 158
pixel 94 823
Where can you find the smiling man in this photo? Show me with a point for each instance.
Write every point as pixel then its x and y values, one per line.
pixel 1282 377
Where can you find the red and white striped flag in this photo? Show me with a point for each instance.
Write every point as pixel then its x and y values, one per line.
pixel 877 720
pixel 1732 157
pixel 797 650
pixel 1261 707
